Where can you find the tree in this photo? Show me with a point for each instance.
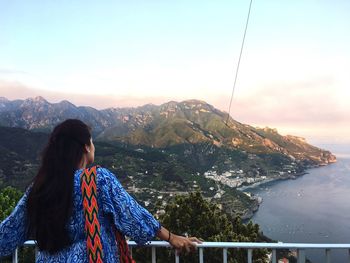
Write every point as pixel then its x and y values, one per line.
pixel 191 214
pixel 9 197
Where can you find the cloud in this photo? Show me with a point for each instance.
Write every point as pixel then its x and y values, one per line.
pixel 311 109
pixel 11 71
pixel 293 103
pixel 16 90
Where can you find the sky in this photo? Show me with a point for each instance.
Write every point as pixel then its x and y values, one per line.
pixel 293 76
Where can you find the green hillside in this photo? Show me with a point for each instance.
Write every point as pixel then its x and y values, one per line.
pixel 152 175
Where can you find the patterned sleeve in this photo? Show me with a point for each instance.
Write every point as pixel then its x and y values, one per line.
pixel 129 217
pixel 13 229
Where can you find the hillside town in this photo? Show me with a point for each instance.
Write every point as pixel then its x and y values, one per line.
pixel 239 179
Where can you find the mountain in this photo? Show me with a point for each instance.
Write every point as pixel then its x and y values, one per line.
pixel 38 114
pixel 190 122
pixel 158 151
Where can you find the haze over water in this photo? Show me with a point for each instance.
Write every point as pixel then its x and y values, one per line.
pixel 312 209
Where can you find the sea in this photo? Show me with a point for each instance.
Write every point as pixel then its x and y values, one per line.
pixel 314 208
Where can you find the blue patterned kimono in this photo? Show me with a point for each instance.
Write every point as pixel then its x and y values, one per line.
pixel 116 207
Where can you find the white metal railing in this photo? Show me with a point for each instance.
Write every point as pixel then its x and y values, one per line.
pixel 299 247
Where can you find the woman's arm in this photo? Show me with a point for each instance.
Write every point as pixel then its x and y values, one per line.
pixel 13 229
pixel 129 217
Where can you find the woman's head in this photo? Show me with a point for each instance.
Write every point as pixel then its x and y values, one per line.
pixel 50 200
pixel 72 139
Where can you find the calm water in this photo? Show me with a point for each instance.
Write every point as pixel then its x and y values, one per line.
pixel 314 208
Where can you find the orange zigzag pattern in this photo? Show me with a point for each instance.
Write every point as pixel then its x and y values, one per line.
pixel 92 225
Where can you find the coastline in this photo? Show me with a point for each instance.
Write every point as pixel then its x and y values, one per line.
pixel 313 216
pixel 249 213
pixel 269 180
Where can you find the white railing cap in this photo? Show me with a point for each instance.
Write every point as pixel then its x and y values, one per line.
pixel 279 245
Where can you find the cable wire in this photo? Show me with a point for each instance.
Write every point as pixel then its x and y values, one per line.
pixel 239 61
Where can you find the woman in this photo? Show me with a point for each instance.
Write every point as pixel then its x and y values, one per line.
pixel 51 210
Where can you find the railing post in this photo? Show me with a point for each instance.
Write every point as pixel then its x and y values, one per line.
pixel 201 257
pixel 224 255
pixel 154 257
pixel 177 259
pixel 250 255
pixel 36 253
pixel 328 255
pixel 15 256
pixel 274 256
pixel 301 256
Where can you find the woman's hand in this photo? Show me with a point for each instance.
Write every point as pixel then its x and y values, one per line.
pixel 184 244
pixel 180 243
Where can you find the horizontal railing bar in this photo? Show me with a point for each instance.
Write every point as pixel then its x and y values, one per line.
pixel 240 245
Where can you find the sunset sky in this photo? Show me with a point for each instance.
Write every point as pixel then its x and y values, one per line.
pixel 294 73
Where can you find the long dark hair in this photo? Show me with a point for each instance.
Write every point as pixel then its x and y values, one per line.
pixel 50 200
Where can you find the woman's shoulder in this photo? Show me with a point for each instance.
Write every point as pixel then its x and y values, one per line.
pixel 102 171
pixel 105 175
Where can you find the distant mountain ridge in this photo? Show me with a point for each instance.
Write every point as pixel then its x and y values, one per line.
pixel 38 114
pixel 158 151
pixel 170 124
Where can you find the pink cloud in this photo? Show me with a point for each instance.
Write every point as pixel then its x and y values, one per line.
pixel 16 90
pixel 287 104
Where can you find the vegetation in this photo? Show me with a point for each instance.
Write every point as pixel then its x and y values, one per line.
pixel 194 216
pixel 9 197
pixel 147 172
